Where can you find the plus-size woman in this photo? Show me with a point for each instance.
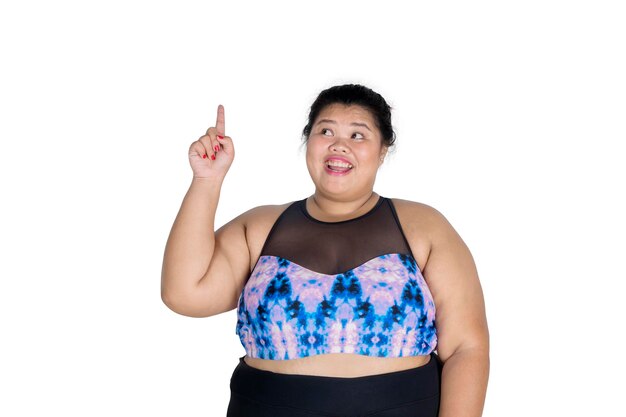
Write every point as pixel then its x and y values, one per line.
pixel 348 303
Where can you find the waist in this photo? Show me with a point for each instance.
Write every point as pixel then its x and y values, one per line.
pixel 342 365
pixel 328 395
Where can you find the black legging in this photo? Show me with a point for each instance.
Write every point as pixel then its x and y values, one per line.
pixel 409 393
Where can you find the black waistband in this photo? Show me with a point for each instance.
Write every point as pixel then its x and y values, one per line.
pixel 325 393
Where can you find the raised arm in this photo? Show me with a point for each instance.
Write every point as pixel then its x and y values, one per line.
pixel 203 269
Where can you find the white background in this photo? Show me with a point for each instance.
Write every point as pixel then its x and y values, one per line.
pixel 509 117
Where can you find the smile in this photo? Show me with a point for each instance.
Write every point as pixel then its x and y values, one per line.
pixel 337 166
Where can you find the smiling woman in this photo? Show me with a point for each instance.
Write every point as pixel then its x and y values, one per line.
pixel 348 302
pixel 342 144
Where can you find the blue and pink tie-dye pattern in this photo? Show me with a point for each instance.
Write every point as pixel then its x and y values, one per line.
pixel 382 308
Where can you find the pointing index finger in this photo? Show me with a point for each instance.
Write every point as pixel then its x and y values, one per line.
pixel 220 124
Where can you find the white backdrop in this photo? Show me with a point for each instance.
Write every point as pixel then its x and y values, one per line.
pixel 508 116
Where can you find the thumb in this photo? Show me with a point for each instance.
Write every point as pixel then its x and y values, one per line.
pixel 226 142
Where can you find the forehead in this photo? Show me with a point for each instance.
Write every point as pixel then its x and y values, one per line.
pixel 342 112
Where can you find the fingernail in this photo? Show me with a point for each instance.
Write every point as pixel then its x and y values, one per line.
pixel 217 148
pixel 212 156
pixel 221 137
pixel 204 156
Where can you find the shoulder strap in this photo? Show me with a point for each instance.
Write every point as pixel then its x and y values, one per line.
pixel 397 219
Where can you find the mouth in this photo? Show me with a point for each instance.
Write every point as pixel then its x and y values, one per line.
pixel 338 166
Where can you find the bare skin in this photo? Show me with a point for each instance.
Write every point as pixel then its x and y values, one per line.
pixel 204 272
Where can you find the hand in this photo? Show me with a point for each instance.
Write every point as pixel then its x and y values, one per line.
pixel 212 154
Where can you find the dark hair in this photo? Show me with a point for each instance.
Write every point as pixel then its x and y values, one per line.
pixel 354 94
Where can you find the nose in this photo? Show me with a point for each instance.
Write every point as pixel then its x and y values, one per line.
pixel 339 146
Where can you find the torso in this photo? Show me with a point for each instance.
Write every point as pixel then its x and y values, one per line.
pixel 338 365
pixel 414 220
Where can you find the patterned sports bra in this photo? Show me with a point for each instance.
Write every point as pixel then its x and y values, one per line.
pixel 336 287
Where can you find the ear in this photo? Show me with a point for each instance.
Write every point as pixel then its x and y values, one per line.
pixel 383 153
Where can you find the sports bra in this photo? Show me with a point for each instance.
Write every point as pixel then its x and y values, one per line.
pixel 336 287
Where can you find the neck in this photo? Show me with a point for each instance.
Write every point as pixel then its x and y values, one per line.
pixel 328 208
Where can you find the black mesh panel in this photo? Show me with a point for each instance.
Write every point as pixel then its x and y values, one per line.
pixel 333 248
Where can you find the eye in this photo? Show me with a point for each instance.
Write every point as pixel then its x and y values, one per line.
pixel 326 132
pixel 357 135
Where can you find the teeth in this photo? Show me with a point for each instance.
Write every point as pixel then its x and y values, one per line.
pixel 336 163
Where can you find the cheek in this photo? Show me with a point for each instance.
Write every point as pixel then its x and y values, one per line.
pixel 307 147
pixel 311 156
pixel 369 157
pixel 313 149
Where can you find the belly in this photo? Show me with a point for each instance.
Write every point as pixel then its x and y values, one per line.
pixel 342 365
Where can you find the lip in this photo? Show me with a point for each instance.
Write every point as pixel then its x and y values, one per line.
pixel 337 158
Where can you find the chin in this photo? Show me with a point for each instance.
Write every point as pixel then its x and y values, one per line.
pixel 334 188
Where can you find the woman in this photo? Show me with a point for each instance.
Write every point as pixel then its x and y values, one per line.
pixel 342 297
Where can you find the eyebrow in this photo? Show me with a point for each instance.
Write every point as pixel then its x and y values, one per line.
pixel 351 124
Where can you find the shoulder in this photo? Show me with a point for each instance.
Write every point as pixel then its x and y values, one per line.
pixel 264 213
pixel 424 227
pixel 419 217
pixel 257 220
pixel 257 223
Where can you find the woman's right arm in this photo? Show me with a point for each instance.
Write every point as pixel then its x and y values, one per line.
pixel 203 270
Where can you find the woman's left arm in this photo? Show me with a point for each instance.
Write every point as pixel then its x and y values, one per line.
pixel 462 332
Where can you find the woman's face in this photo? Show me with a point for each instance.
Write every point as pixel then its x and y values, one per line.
pixel 344 151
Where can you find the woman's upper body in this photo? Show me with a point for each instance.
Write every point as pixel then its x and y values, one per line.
pixel 347 139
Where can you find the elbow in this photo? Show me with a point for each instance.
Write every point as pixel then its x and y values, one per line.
pixel 168 300
pixel 171 301
pixel 477 355
pixel 182 305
